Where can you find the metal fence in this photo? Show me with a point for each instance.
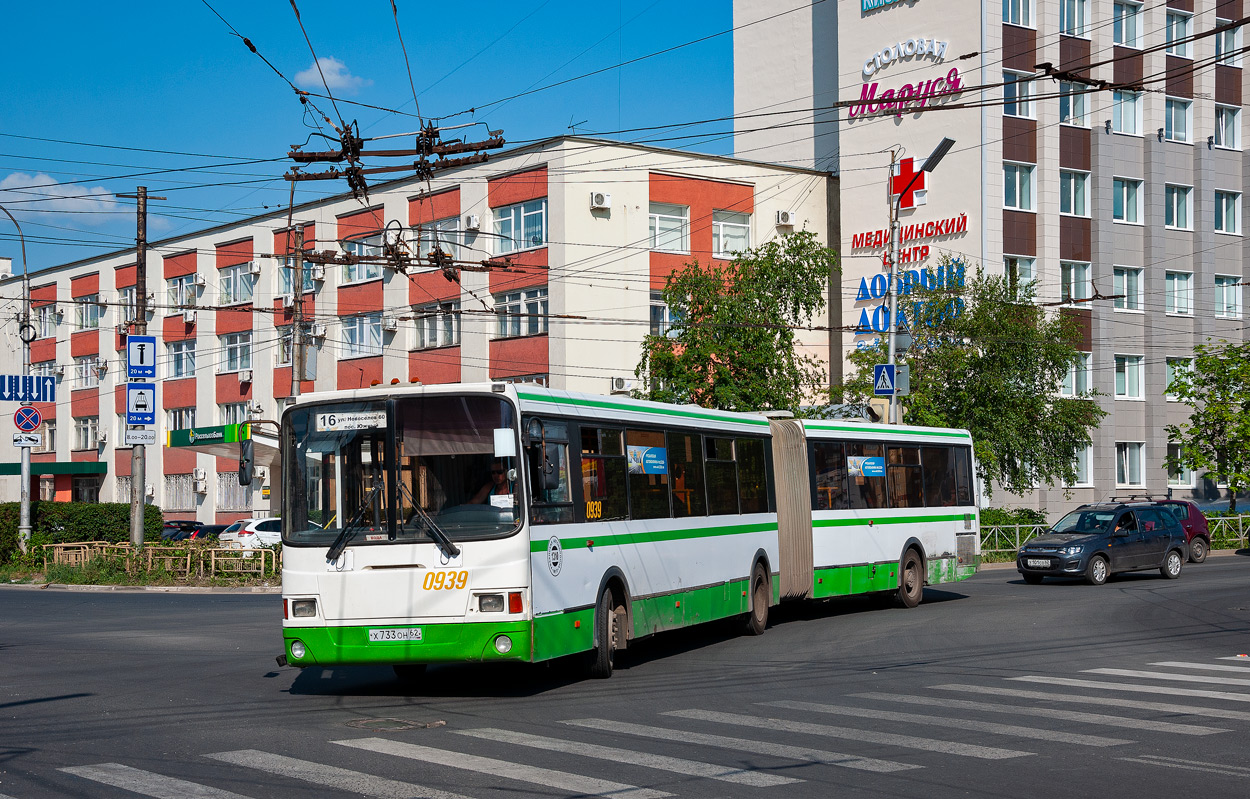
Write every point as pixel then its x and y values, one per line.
pixel 1227 532
pixel 184 562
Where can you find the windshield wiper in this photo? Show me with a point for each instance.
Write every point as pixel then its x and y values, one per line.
pixel 353 526
pixel 435 532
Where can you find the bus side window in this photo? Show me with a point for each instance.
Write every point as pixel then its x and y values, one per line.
pixel 905 477
pixel 828 463
pixel 722 476
pixel 685 462
pixel 865 485
pixel 752 475
pixel 550 485
pixel 604 496
pixel 938 465
pixel 648 474
pixel 963 477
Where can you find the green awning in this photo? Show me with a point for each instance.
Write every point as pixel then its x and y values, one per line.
pixel 58 467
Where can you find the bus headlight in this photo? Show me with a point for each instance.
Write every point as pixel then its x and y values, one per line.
pixel 298 650
pixel 304 608
pixel 490 603
pixel 503 644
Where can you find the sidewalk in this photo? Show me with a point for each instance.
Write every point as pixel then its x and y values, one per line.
pixel 161 589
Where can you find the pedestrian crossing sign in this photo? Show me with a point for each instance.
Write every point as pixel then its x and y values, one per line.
pixel 883 380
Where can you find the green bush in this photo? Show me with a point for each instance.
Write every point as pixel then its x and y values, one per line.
pixel 72 522
pixel 997 516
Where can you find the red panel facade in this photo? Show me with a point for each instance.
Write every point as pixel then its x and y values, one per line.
pixel 181 264
pixel 282 383
pixel 85 342
pixel 178 393
pixel 285 316
pixel 85 286
pixel 432 207
pixel 84 402
pixel 517 188
pixel 535 275
pixel 427 287
pixel 519 356
pixel 359 372
pixel 42 295
pixel 234 319
pixel 361 223
pixel 236 252
pixel 702 197
pixel 229 389
pixel 174 328
pixel 43 349
pixel 360 298
pixel 280 238
pixel 46 409
pixel 124 276
pixel 121 466
pixel 178 461
pixel 433 367
pixel 119 398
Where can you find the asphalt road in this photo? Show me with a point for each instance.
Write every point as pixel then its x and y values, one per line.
pixel 991 688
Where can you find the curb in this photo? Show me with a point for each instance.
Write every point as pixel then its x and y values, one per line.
pixel 159 589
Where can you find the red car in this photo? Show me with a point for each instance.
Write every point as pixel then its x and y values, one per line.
pixel 1197 533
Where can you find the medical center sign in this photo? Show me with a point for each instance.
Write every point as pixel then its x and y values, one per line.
pixel 909 96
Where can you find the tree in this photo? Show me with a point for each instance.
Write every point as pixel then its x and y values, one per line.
pixel 1217 435
pixel 985 357
pixel 732 340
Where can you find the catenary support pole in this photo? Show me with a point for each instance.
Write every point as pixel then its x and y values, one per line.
pixel 138 461
pixel 23 519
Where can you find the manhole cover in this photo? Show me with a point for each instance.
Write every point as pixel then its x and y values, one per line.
pixel 394 725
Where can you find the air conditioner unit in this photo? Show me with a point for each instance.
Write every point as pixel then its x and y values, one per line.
pixel 245 375
pixel 200 486
pixel 288 300
pixel 198 280
pixel 188 316
pixel 59 370
pixel 317 330
pixel 150 490
pixel 622 385
pixel 472 222
pixel 101 367
pixel 317 272
pixel 390 324
pixel 257 409
pixel 102 437
pixel 253 267
pixel 199 473
pixel 785 218
pixel 600 201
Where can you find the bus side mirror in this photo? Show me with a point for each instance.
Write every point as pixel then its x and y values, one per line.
pixel 551 467
pixel 245 462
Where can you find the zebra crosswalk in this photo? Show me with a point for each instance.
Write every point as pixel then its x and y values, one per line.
pixel 774 745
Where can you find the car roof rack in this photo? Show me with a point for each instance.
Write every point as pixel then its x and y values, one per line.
pixel 1140 497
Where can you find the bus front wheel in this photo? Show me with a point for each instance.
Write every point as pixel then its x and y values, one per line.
pixel 757 618
pixel 607 628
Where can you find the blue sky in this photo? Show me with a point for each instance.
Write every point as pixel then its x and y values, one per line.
pixel 172 76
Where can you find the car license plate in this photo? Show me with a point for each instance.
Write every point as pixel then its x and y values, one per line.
pixel 1038 563
pixel 395 634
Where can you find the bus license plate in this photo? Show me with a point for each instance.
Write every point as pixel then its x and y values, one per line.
pixel 395 634
pixel 1038 563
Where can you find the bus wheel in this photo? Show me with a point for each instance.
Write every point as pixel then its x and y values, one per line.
pixel 911 581
pixel 607 627
pixel 409 672
pixel 757 618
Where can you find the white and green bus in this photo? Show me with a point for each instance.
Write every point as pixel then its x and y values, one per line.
pixel 501 522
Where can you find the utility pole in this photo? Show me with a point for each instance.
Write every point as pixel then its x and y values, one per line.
pixel 297 316
pixel 26 336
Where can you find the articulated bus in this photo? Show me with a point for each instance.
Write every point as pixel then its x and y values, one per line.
pixel 502 522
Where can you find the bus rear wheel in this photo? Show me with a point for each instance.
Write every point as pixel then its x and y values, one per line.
pixel 757 617
pixel 607 628
pixel 911 581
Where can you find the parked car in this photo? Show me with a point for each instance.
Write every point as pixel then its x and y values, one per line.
pixel 207 532
pixel 252 533
pixel 1197 532
pixel 1098 540
pixel 177 529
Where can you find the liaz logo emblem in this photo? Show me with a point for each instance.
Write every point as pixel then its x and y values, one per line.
pixel 555 556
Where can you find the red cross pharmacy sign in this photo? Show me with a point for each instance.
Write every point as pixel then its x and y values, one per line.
pixel 904 171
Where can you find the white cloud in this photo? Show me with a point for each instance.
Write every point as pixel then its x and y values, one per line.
pixel 337 77
pixel 41 194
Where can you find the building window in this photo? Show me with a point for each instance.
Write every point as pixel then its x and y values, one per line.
pixel 1072 104
pixel 522 313
pixel 363 335
pixel 286 271
pixel 443 234
pixel 86 489
pixel 1018 271
pixel 49 436
pixel 363 247
pixel 1228 44
pixel 1018 12
pixel 1128 376
pixel 236 352
pixel 1018 186
pixel 87 312
pixel 1126 112
pixel 179 492
pixel 1180 475
pixel 181 358
pixel 86 432
pixel 438 325
pixel 1076 381
pixel 47 489
pixel 122 487
pixel 1228 212
pixel 232 413
pixel 1082 466
pixel 670 227
pixel 181 290
pixel 1227 127
pixel 1128 463
pixel 1176 207
pixel 1073 281
pixel 1227 297
pixel 180 418
pixel 1126 24
pixel 1177 30
pixel 1127 288
pixel 128 299
pixel 1178 295
pixel 1074 193
pixel 230 495
pixel 662 317
pixel 1073 17
pixel 235 284
pixel 1176 121
pixel 1176 366
pixel 87 371
pixel 521 227
pixel 1126 198
pixel 46 319
pixel 731 233
pixel 1017 87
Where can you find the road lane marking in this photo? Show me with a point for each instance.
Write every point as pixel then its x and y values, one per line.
pixel 1109 701
pixel 576 783
pixel 1170 690
pixel 691 768
pixel 853 734
pixel 958 724
pixel 1047 712
pixel 1163 675
pixel 1174 664
pixel 331 776
pixel 1207 768
pixel 148 783
pixel 754 747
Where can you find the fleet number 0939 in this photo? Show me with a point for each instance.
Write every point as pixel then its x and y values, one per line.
pixel 445 581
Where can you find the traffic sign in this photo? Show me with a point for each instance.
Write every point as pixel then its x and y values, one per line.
pixel 138 436
pixel 27 419
pixel 140 357
pixel 27 439
pixel 902 380
pixel 140 403
pixel 27 388
pixel 883 380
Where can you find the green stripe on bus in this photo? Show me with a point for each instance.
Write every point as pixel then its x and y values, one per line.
pixel 959 517
pixel 654 536
pixel 887 430
pixel 620 406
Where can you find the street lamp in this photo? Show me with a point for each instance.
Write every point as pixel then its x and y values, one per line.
pixel 23 519
pixel 930 164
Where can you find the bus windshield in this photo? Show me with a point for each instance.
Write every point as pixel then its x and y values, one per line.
pixel 388 471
